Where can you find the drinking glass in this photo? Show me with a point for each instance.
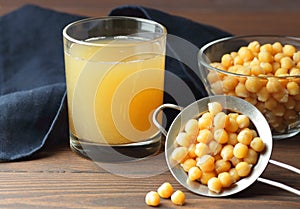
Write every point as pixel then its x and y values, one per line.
pixel 115 80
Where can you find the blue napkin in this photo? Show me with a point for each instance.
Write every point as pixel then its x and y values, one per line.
pixel 33 112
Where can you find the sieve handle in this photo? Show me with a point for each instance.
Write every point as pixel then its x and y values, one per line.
pixel 280 185
pixel 158 110
pixel 286 166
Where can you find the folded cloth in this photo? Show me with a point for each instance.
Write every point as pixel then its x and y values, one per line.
pixel 33 110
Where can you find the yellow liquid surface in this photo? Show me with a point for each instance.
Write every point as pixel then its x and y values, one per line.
pixel 113 89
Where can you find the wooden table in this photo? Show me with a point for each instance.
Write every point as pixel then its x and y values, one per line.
pixel 59 178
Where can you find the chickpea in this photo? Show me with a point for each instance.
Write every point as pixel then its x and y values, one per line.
pixel 229 83
pixel 206 121
pixel 184 139
pixel 282 72
pixel 212 76
pixel 240 150
pixel 266 67
pixel 226 60
pixel 222 166
pixel 214 184
pixel 245 53
pixel 245 136
pixel 232 139
pixel 178 198
pixel 238 60
pixel 206 176
pixel 295 70
pixel 217 87
pixel 165 190
pixel 233 54
pixel 206 163
pixel 257 70
pixel 241 90
pixel 214 108
pixel 221 136
pixel 226 179
pixel 243 121
pixel 233 173
pixel 263 94
pixel 265 56
pixel 253 84
pixel 204 136
pixel 201 149
pixel 273 85
pixel 286 62
pixel 270 103
pixel 231 125
pixel 266 48
pixel 254 46
pixel 251 157
pixel 191 128
pixel 188 164
pixel 194 173
pixel 289 50
pixel 179 154
pixel 243 169
pixel 296 57
pixel 281 96
pixel 227 152
pixel 214 147
pixel 257 144
pixel 275 66
pixel 152 198
pixel 276 47
pixel 293 88
pixel 279 56
pixel 220 120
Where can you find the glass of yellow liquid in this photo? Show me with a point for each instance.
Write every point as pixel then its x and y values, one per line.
pixel 115 80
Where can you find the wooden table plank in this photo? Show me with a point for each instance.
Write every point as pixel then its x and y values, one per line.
pixel 59 178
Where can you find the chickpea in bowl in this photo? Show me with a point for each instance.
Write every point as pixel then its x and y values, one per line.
pixel 264 70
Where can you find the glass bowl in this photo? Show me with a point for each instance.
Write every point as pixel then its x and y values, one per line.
pixel 263 70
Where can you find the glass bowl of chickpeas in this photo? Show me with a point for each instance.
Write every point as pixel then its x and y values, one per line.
pixel 263 70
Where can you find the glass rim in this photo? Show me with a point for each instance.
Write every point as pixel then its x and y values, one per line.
pixel 83 42
pixel 202 61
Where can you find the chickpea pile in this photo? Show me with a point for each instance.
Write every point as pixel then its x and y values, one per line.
pixel 270 82
pixel 165 191
pixel 218 148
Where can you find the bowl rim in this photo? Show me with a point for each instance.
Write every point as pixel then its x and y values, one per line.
pixel 201 55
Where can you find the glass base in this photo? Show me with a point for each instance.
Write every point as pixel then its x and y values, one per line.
pixel 116 153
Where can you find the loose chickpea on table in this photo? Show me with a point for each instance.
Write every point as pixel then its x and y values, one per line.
pixel 218 148
pixel 165 191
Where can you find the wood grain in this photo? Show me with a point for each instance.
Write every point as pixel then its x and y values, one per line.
pixel 58 178
pixel 62 179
